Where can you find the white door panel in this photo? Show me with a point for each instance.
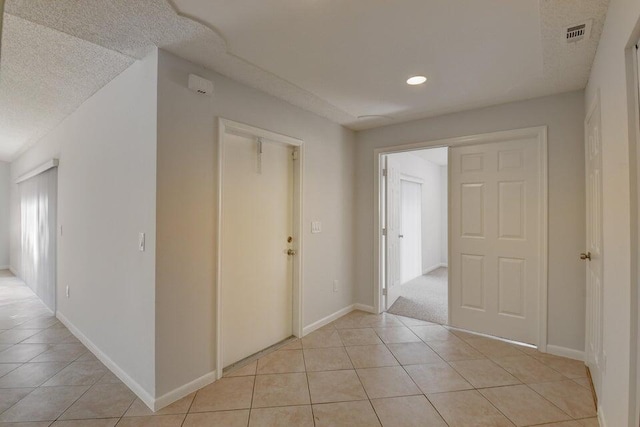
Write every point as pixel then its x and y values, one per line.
pixel 495 237
pixel 256 272
pixel 594 246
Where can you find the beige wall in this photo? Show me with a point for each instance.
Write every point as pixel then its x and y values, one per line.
pixel 610 78
pixel 564 115
pixel 106 196
pixel 186 211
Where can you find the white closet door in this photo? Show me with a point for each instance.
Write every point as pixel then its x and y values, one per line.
pixel 410 230
pixel 495 238
pixel 38 204
pixel 256 271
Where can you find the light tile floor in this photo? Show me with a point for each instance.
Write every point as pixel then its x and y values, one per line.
pixel 361 370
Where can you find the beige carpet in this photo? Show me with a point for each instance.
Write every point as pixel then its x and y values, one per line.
pixel 424 298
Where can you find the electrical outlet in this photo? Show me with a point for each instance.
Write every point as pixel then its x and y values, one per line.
pixel 316 227
pixel 335 285
pixel 67 291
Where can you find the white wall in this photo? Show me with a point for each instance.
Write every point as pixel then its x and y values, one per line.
pixel 4 214
pixel 564 115
pixel 187 147
pixel 106 195
pixel 610 77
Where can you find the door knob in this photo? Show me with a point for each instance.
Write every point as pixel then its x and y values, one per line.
pixel 586 256
pixel 291 252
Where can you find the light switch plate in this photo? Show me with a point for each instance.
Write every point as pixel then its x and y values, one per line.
pixel 316 227
pixel 141 242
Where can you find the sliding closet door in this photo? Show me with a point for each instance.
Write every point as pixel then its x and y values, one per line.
pixel 38 202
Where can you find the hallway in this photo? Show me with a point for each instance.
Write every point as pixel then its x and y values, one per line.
pixel 361 370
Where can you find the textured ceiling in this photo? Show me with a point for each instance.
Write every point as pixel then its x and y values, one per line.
pixel 44 76
pixel 339 60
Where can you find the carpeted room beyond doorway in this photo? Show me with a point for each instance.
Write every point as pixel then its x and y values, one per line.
pixel 425 297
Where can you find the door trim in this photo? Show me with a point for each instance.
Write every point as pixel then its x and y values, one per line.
pixel 229 126
pixel 538 132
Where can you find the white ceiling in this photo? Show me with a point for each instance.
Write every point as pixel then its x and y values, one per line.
pixel 337 59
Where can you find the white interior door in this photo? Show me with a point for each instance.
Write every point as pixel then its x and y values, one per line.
pixel 256 271
pixel 495 237
pixel 593 256
pixel 410 230
pixel 392 230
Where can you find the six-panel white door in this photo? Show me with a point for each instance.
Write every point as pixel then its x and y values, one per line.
pixel 494 265
pixel 256 272
pixel 593 256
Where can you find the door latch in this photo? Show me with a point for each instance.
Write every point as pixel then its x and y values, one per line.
pixel 586 256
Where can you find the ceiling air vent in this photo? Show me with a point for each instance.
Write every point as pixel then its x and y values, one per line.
pixel 577 32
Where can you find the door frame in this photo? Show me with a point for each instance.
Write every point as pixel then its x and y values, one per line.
pixel 226 126
pixel 540 134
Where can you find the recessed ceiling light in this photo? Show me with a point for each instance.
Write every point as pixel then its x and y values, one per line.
pixel 416 80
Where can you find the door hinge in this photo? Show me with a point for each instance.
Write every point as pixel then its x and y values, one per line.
pixel 294 154
pixel 384 231
pixel 384 292
pixel 384 172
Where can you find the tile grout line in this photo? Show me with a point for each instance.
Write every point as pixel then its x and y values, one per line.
pixel 306 373
pixel 522 382
pixel 409 375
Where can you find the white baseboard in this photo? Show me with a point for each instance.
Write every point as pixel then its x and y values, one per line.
pixel 330 318
pixel 601 418
pixel 363 307
pixel 143 394
pixel 182 391
pixel 565 352
pixel 13 271
pixel 326 320
pixel 434 267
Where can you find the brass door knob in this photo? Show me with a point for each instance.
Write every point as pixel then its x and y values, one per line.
pixel 586 256
pixel 291 252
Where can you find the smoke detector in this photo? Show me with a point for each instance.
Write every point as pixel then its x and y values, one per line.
pixel 200 85
pixel 575 33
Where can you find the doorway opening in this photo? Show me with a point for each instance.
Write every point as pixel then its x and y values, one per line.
pixel 416 235
pixel 496 227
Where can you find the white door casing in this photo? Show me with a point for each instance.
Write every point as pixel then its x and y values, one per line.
pixel 275 146
pixel 410 229
pixel 494 268
pixel 594 276
pixel 392 227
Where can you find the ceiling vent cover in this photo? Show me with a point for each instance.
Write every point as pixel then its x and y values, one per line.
pixel 577 32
